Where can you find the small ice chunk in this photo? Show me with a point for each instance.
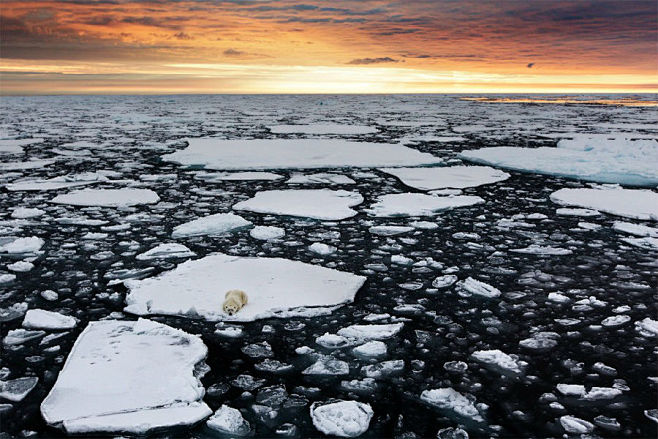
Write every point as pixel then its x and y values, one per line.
pixel 458 177
pixel 635 229
pixel 322 249
pixel 21 266
pixel 26 212
pixel 323 204
pixel 212 225
pixel 647 327
pixel 631 203
pixel 535 249
pixel 373 348
pixel 472 286
pixel 342 418
pixel 371 332
pixel 229 421
pixel 327 365
pixel 20 336
pixel 445 281
pixel 267 233
pixel 390 230
pixel 165 251
pixel 449 399
pixel 320 178
pixel 498 360
pixel 42 319
pixel 574 425
pixel 323 128
pixel 17 389
pixel 30 245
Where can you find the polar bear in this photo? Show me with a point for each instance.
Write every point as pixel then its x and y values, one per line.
pixel 234 300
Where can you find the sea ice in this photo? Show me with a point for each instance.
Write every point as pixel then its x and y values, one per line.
pixel 320 178
pixel 412 204
pixel 15 146
pixel 26 212
pixel 617 160
pixel 128 377
pixel 276 288
pixel 17 389
pixel 322 128
pixel 498 360
pixel 267 233
pixel 229 421
pixel 42 319
pixel 458 177
pixel 212 225
pixel 108 197
pixel 29 245
pixel 371 332
pixel 215 153
pixel 323 204
pixel 322 249
pixel 449 399
pixel 342 418
pixel 635 229
pixel 473 286
pixel 631 203
pixel 165 251
pixel 57 182
pixel 238 176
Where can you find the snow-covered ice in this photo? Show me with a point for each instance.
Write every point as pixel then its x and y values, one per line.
pixel 458 177
pixel 211 225
pixel 276 287
pixel 108 197
pixel 27 245
pixel 412 204
pixel 55 183
pixel 229 421
pixel 214 153
pixel 472 286
pixel 450 400
pixel 640 204
pixel 321 204
pixel 166 251
pixel 371 332
pixel 323 128
pixel 617 160
pixel 42 319
pixel 128 377
pixel 320 178
pixel 342 418
pixel 266 233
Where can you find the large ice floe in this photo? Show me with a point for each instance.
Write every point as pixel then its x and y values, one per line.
pixel 323 204
pixel 128 377
pixel 640 204
pixel 108 197
pixel 603 159
pixel 322 128
pixel 342 418
pixel 412 204
pixel 212 225
pixel 457 177
pixel 276 287
pixel 214 153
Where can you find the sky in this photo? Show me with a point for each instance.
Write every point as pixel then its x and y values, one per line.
pixel 311 46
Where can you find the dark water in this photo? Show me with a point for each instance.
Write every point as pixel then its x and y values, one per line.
pixel 135 131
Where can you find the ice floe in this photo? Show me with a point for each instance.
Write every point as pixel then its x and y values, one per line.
pixel 321 204
pixel 450 400
pixel 128 377
pixel 42 319
pixel 108 197
pixel 342 418
pixel 212 225
pixel 618 160
pixel 322 128
pixel 276 288
pixel 214 153
pixel 371 332
pixel 15 146
pixel 472 286
pixel 640 204
pixel 267 233
pixel 21 246
pixel 66 181
pixel 238 176
pixel 17 389
pixel 166 251
pixel 229 421
pixel 320 178
pixel 458 177
pixel 412 204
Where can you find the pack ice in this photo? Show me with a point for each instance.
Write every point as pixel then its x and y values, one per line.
pixel 128 377
pixel 603 159
pixel 323 204
pixel 322 128
pixel 457 177
pixel 275 287
pixel 220 154
pixel 640 204
pixel 412 204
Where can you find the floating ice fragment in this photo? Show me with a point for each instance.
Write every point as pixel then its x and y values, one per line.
pixel 321 204
pixel 267 233
pixel 371 332
pixel 96 390
pixel 413 204
pixel 320 178
pixel 108 197
pixel 228 420
pixel 322 128
pixel 212 225
pixel 632 203
pixel 166 251
pixel 30 245
pixel 574 425
pixel 472 286
pixel 342 418
pixel 322 249
pixel 17 389
pixel 449 399
pixel 458 177
pixel 499 361
pixel 42 319
pixel 276 288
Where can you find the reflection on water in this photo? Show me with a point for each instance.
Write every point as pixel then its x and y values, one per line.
pixel 623 102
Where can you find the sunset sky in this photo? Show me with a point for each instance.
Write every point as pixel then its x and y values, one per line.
pixel 308 46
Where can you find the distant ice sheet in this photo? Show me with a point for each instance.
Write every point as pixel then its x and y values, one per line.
pixel 323 128
pixel 221 154
pixel 458 177
pixel 128 377
pixel 321 204
pixel 631 203
pixel 604 160
pixel 275 287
